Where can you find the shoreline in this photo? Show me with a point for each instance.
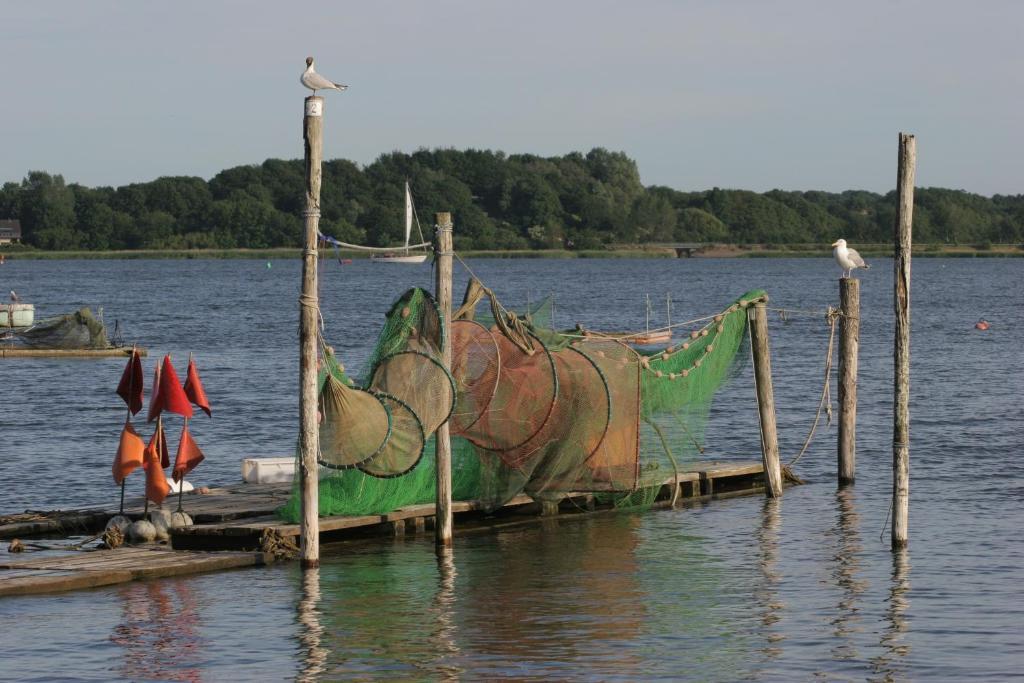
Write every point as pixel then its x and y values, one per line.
pixel 633 252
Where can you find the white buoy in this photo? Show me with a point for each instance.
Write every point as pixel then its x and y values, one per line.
pixel 180 519
pixel 141 531
pixel 161 520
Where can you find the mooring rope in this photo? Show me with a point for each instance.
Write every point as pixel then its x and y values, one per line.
pixel 359 247
pixel 831 317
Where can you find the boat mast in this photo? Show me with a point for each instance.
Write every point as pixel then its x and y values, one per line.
pixel 408 215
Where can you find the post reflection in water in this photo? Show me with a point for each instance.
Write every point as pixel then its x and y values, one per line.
pixel 766 593
pixel 310 632
pixel 158 632
pixel 846 572
pixel 891 663
pixel 443 617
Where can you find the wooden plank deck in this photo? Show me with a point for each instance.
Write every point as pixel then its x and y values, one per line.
pixel 244 533
pixel 232 521
pixel 219 505
pixel 30 575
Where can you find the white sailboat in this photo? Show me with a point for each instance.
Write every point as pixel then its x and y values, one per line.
pixel 406 255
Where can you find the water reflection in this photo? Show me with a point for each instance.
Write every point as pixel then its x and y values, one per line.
pixel 310 631
pixel 891 664
pixel 387 612
pixel 443 616
pixel 846 573
pixel 158 632
pixel 558 596
pixel 766 593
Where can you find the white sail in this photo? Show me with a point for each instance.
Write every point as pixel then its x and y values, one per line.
pixel 408 214
pixel 404 255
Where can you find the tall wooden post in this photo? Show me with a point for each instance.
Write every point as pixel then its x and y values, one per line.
pixel 758 317
pixel 309 435
pixel 901 349
pixel 442 440
pixel 849 343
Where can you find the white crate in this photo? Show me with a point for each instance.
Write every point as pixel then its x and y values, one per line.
pixel 268 470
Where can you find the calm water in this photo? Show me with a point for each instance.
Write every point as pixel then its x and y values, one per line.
pixel 739 589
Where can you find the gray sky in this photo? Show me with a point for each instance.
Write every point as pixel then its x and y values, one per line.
pixel 738 94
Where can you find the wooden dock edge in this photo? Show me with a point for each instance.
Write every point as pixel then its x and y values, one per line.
pixel 6 352
pixel 236 540
pixel 711 481
pixel 92 569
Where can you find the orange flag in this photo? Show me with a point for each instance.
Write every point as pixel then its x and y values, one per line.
pixel 188 456
pixel 194 388
pixel 172 397
pixel 154 397
pixel 159 445
pixel 130 386
pixel 156 481
pixel 129 453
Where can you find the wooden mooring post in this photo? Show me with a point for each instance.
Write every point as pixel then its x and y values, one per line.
pixel 901 348
pixel 442 440
pixel 309 435
pixel 849 344
pixel 757 315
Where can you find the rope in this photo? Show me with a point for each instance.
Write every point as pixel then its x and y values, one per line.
pixel 814 314
pixel 359 247
pixel 831 317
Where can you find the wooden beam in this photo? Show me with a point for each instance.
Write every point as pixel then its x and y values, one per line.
pixel 442 438
pixel 849 343
pixel 901 348
pixel 758 317
pixel 309 435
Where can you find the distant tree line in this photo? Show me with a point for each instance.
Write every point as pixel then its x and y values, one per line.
pixel 498 201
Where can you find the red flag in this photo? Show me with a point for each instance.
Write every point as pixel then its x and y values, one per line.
pixel 188 456
pixel 155 407
pixel 130 386
pixel 156 481
pixel 129 453
pixel 172 397
pixel 194 388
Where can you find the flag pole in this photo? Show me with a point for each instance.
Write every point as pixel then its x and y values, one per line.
pixel 181 484
pixel 128 416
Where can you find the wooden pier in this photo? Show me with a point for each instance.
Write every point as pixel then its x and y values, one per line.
pixel 118 352
pixel 232 522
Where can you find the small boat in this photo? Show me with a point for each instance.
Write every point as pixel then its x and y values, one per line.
pixel 17 315
pixel 405 254
pixel 648 337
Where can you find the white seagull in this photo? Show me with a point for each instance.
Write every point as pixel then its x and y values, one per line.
pixel 848 259
pixel 314 81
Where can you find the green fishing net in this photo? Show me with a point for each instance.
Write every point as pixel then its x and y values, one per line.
pixel 531 409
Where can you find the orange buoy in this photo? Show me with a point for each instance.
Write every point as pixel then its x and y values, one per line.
pixel 981 324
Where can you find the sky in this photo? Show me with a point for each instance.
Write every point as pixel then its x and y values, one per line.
pixel 742 94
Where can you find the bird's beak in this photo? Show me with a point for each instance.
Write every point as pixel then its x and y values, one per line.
pixel 836 243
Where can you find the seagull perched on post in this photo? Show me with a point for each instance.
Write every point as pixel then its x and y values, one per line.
pixel 848 259
pixel 14 296
pixel 314 81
